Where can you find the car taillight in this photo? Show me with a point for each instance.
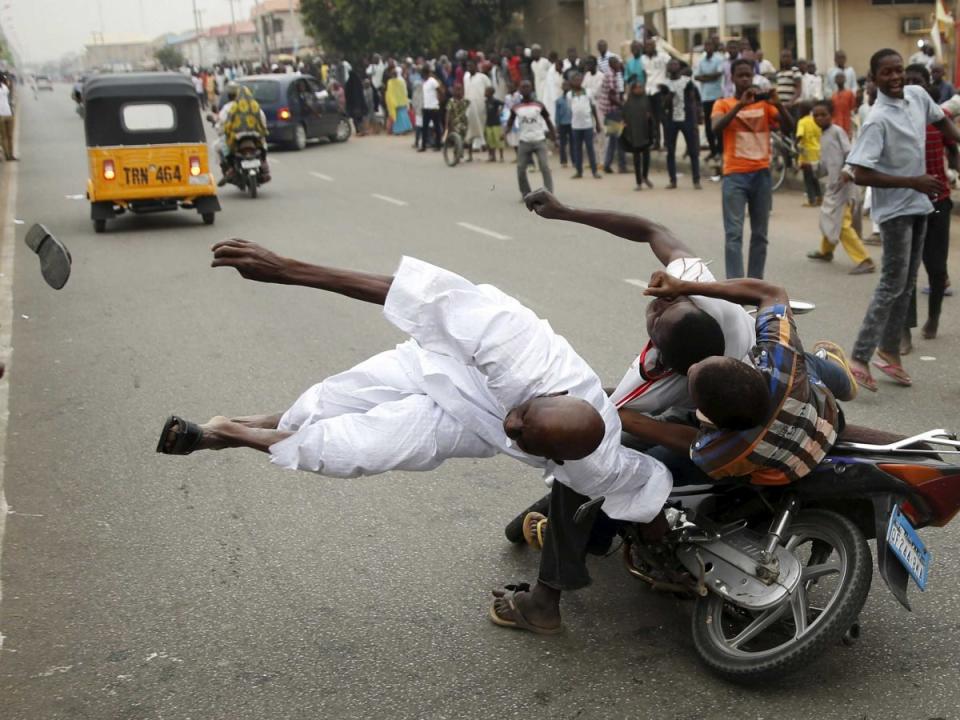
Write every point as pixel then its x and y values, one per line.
pixel 109 171
pixel 194 166
pixel 284 114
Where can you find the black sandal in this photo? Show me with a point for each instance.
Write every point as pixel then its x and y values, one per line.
pixel 188 436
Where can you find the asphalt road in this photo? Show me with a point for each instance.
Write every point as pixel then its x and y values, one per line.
pixel 217 586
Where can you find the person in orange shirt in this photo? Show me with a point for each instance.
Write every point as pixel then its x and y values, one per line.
pixel 744 122
pixel 844 104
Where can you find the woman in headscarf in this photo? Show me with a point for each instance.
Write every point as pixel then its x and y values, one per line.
pixel 638 132
pixel 356 104
pixel 397 103
pixel 244 116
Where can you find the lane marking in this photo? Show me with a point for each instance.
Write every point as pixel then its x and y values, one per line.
pixel 637 283
pixel 387 198
pixel 483 231
pixel 321 176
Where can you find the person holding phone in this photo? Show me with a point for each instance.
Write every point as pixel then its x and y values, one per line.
pixel 744 122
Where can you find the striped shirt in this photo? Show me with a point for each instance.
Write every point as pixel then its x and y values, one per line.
pixel 802 427
pixel 936 142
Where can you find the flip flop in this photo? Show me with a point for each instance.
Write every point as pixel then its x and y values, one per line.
pixel 534 529
pixel 188 436
pixel 894 372
pixel 55 259
pixel 864 380
pixel 836 353
pixel 519 622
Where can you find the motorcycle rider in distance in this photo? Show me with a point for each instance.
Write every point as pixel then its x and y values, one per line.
pixel 241 114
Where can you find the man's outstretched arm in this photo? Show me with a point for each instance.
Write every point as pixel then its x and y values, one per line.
pixel 665 246
pixel 744 291
pixel 257 263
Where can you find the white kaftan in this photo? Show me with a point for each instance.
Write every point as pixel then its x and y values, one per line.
pixel 475 354
pixel 552 90
pixel 475 90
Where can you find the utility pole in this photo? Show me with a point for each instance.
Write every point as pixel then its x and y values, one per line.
pixel 295 42
pixel 233 32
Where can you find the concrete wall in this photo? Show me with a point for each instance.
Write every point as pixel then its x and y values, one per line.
pixel 864 28
pixel 555 25
pixel 609 20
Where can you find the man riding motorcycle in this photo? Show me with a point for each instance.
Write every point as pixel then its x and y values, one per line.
pixel 240 116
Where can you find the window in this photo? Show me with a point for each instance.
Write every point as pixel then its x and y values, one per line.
pixel 265 92
pixel 146 117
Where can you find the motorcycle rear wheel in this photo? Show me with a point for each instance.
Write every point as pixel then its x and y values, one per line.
pixel 744 646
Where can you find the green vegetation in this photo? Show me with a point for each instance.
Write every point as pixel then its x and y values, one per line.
pixel 169 57
pixel 408 26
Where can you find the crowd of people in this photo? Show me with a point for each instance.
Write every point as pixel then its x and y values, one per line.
pixel 597 110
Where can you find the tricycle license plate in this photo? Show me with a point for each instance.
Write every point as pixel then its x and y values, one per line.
pixel 247 164
pixel 908 547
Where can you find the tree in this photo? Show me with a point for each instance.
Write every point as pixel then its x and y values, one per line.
pixel 169 57
pixel 355 27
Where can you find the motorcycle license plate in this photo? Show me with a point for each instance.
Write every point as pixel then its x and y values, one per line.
pixel 247 164
pixel 908 547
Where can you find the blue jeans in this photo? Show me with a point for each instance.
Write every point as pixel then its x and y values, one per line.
pixel 581 137
pixel 828 373
pixel 740 192
pixel 614 146
pixel 565 140
pixel 691 136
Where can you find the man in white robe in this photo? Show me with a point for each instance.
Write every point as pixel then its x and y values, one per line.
pixel 481 375
pixel 475 84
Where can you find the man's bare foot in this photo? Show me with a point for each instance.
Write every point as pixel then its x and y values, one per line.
pixel 265 422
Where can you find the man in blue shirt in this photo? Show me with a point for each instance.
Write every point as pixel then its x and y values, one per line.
pixel 633 68
pixel 710 76
pixel 890 157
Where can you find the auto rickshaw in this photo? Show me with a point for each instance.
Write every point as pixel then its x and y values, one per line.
pixel 146 147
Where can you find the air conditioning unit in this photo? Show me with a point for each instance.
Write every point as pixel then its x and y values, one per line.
pixel 915 26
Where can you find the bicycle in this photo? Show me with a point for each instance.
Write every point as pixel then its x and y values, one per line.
pixel 453 149
pixel 784 154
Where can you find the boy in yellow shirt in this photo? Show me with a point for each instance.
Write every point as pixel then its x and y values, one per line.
pixel 808 142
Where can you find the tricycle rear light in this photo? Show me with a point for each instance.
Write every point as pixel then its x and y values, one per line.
pixel 109 170
pixel 194 166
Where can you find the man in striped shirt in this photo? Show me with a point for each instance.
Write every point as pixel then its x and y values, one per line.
pixel 773 419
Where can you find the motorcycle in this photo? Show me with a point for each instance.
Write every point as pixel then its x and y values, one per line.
pixel 248 164
pixel 778 574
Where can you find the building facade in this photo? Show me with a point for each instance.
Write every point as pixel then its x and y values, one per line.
pixel 859 27
pixel 118 53
pixel 280 28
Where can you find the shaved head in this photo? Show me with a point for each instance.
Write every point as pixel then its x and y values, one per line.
pixel 556 427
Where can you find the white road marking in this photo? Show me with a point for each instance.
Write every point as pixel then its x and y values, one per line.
pixel 321 176
pixel 76 197
pixel 387 198
pixel 483 231
pixel 638 283
pixel 927 358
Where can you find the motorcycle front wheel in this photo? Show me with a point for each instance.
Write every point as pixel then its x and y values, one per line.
pixel 752 646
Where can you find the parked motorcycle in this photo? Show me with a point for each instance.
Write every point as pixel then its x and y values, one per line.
pixel 778 574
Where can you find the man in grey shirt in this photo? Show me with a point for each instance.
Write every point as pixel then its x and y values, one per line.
pixel 889 156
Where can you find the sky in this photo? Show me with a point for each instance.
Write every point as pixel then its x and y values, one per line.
pixel 44 30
